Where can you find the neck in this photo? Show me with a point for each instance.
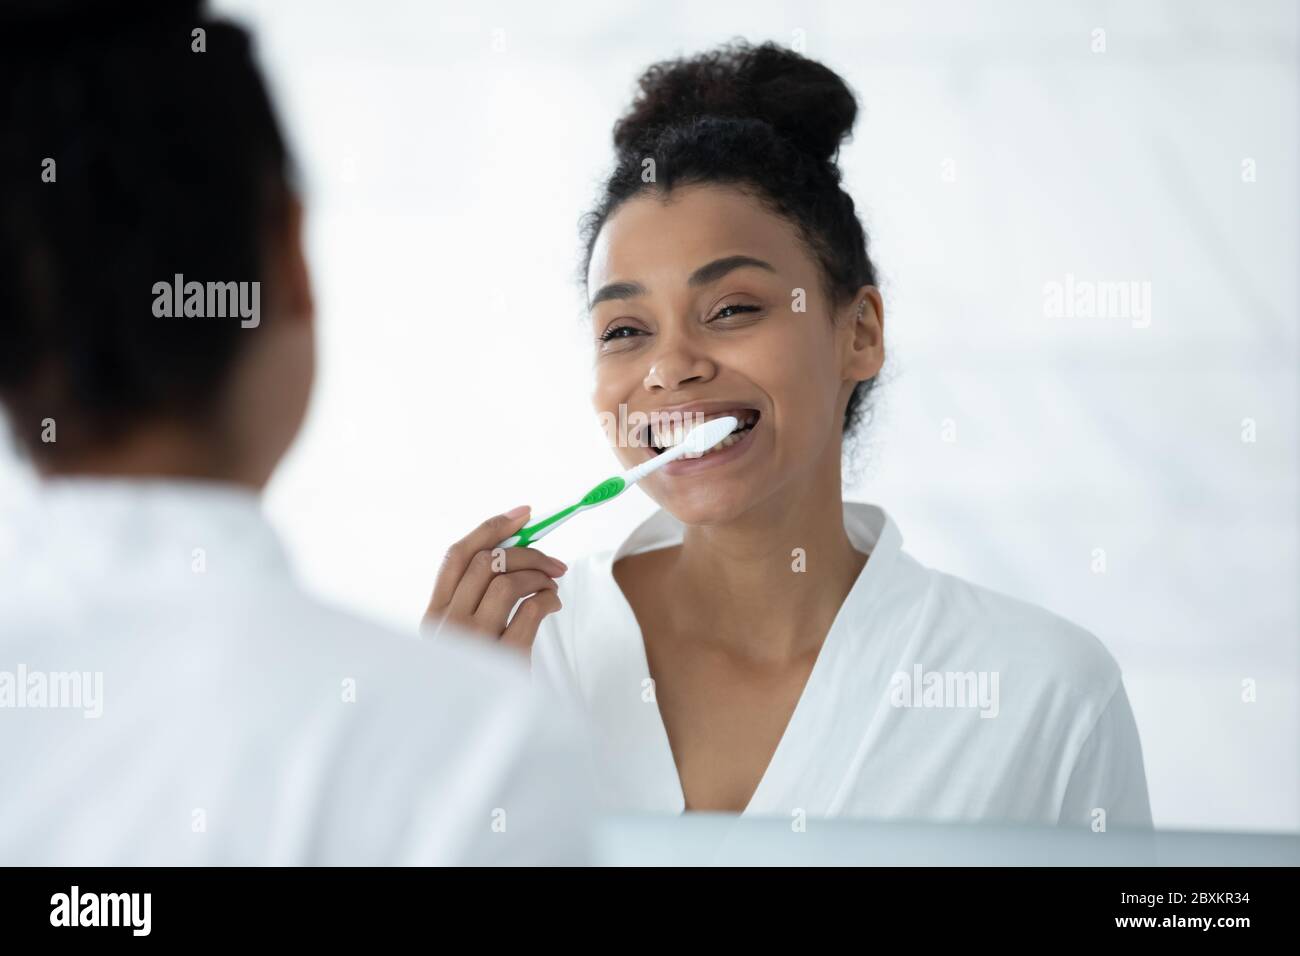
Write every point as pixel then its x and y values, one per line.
pixel 769 584
pixel 158 451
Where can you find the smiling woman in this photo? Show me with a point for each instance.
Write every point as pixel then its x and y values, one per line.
pixel 741 650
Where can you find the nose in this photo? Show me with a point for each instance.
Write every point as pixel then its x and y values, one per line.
pixel 677 366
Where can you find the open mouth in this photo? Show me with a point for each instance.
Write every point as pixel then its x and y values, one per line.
pixel 665 431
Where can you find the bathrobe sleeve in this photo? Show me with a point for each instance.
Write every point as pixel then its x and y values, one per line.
pixel 1108 773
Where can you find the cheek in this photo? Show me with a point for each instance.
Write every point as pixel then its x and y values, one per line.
pixel 797 369
pixel 611 388
pixel 613 385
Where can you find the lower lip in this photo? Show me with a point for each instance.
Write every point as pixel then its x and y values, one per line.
pixel 689 466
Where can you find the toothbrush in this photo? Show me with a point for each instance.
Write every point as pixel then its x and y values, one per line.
pixel 699 440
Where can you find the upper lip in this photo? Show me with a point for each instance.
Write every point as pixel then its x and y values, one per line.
pixel 710 409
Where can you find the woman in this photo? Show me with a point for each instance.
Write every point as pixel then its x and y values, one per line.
pixel 227 717
pixel 760 645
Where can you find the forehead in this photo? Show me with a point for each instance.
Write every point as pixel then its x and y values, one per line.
pixel 653 234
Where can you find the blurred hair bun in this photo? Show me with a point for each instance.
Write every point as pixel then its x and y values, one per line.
pixel 804 101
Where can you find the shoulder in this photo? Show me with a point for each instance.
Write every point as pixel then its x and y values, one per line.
pixel 399 723
pixel 387 676
pixel 955 618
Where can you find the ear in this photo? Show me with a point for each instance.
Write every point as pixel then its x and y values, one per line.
pixel 291 273
pixel 864 353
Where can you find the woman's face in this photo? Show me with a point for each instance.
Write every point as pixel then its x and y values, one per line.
pixel 705 302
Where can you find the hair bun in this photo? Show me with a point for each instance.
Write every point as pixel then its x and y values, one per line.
pixel 804 101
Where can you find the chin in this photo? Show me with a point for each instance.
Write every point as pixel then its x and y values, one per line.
pixel 703 502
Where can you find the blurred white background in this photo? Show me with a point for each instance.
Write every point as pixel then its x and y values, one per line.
pixel 449 149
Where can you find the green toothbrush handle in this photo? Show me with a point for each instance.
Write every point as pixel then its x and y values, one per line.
pixel 607 489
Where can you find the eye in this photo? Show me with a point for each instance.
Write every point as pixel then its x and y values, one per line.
pixel 731 311
pixel 620 332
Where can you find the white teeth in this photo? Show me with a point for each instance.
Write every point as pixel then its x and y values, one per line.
pixel 726 442
pixel 665 434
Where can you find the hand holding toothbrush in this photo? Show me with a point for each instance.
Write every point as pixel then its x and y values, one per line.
pixel 698 440
pixel 479 584
pixel 488 571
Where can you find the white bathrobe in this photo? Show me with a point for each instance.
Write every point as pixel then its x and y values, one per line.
pixel 169 695
pixel 931 698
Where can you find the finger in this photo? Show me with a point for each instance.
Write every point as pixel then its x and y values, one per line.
pixel 486 565
pixel 524 559
pixel 486 536
pixel 472 586
pixel 523 626
pixel 504 593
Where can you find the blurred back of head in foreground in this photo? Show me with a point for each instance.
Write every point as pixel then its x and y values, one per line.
pixel 168 694
pixel 140 151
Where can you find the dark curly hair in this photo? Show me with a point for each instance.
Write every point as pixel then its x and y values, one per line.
pixel 167 161
pixel 762 118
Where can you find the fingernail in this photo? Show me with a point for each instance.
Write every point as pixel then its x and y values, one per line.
pixel 518 512
pixel 559 564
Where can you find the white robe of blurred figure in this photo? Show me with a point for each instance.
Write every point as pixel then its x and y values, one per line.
pixel 169 695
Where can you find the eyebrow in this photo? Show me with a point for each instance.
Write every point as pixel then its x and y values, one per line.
pixel 718 268
pixel 617 290
pixel 705 274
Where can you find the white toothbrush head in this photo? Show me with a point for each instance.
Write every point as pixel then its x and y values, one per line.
pixel 704 436
pixel 697 441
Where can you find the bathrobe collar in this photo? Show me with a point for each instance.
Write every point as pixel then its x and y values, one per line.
pixel 158 536
pixel 810 758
